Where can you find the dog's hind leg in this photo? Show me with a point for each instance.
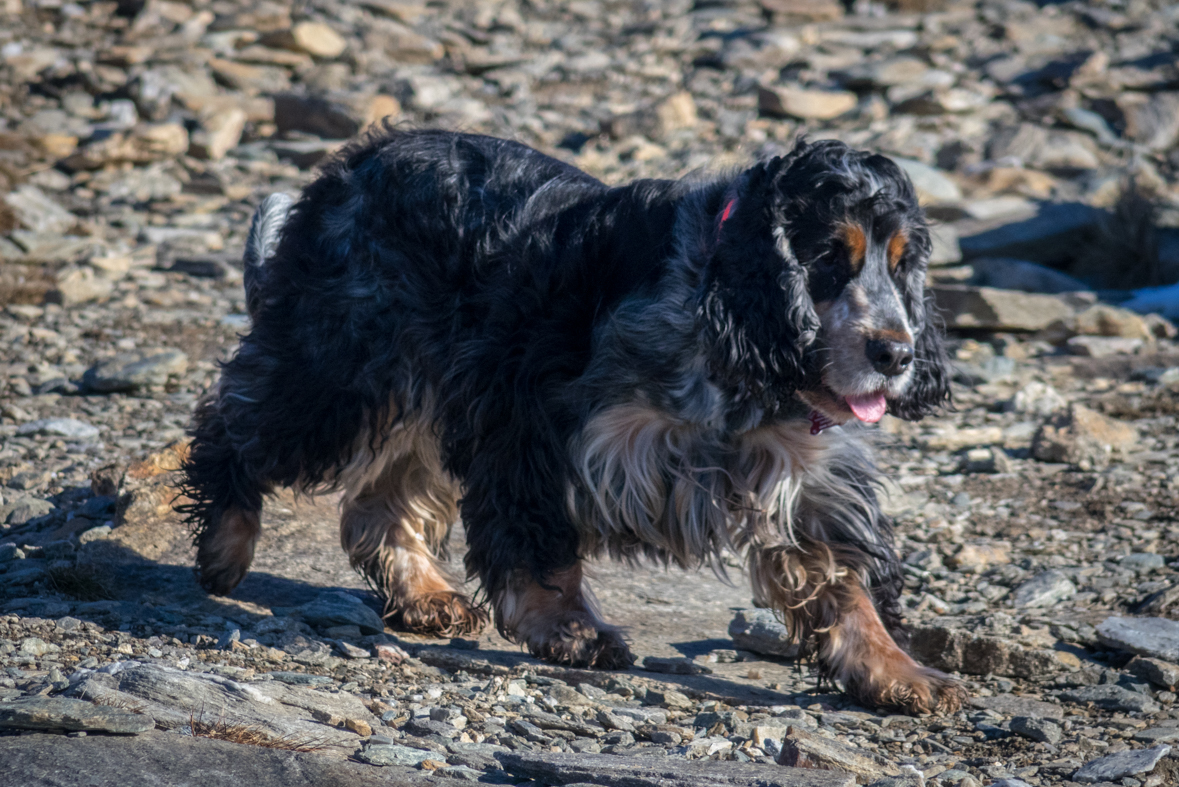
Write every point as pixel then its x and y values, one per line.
pixel 398 508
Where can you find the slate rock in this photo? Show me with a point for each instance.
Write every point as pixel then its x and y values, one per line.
pixel 958 650
pixel 1011 705
pixel 1042 730
pixel 394 754
pixel 760 630
pixel 611 770
pixel 1154 637
pixel 1113 767
pixel 785 101
pixel 70 428
pixel 337 608
pixel 162 758
pixel 1111 697
pixel 674 666
pixel 62 713
pixel 1082 437
pixel 1051 236
pixel 934 187
pixel 131 372
pixel 989 308
pixel 803 749
pixel 1161 673
pixel 1044 590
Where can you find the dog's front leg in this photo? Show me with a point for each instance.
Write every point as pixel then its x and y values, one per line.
pixel 820 592
pixel 558 621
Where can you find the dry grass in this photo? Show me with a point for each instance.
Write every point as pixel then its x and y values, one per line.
pixel 252 735
pixel 1125 253
pixel 83 581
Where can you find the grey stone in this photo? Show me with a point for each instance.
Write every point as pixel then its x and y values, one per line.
pixel 1051 236
pixel 1038 729
pixel 945 245
pixel 1154 637
pixel 804 749
pixel 1044 590
pixel 394 754
pixel 38 212
pixel 760 631
pixel 1157 735
pixel 131 372
pixel 1120 765
pixel 41 760
pixel 609 770
pixel 674 666
pixel 1022 275
pixel 1111 697
pixel 25 510
pixel 1011 705
pixel 61 713
pixel 336 608
pixel 934 187
pixel 1143 562
pixel 70 428
pixel 1161 673
pixel 957 650
pixel 172 697
pixel 967 306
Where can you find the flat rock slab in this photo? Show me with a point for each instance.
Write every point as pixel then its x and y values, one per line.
pixel 1118 766
pixel 158 758
pixel 1011 705
pixel 1156 637
pixel 804 749
pixel 63 713
pixel 760 631
pixel 609 770
pixel 174 697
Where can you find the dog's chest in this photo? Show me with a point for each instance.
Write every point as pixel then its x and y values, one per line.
pixel 650 483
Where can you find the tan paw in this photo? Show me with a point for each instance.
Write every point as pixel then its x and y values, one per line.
pixel 443 614
pixel 581 641
pixel 914 689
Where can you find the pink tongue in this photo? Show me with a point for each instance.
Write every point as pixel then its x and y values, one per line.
pixel 868 407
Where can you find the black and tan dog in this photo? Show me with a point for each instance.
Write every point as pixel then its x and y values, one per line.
pixel 447 324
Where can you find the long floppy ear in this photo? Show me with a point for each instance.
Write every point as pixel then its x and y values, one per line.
pixel 755 307
pixel 930 388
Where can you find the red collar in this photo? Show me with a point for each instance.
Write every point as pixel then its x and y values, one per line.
pixel 728 211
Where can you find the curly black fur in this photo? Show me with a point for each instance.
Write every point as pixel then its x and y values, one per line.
pixel 508 297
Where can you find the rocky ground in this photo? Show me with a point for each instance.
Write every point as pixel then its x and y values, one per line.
pixel 1038 523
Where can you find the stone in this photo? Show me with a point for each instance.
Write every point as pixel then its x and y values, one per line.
pixel 674 666
pixel 977 558
pixel 677 111
pixel 35 210
pixel 1008 274
pixel 337 608
pixel 1038 729
pixel 957 650
pixel 251 79
pixel 1161 673
pixel 1053 235
pixel 219 133
pixel 60 713
pixel 1104 320
pixel 332 116
pixel 18 512
pixel 900 70
pixel 1102 346
pixel 70 428
pixel 1037 398
pixel 1121 765
pixel 804 749
pixel 172 697
pixel 1153 637
pixel 966 306
pixel 946 251
pixel 77 285
pixel 760 630
pixel 41 760
pixel 1044 590
pixel 782 101
pixel 614 770
pixel 394 754
pixel 141 145
pixel 132 372
pixel 1082 437
pixel 1012 705
pixel 1152 119
pixel 313 38
pixel 934 187
pixel 1112 697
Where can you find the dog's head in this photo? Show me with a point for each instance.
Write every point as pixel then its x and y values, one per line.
pixel 815 287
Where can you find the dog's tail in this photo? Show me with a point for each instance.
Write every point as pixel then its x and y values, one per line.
pixel 265 231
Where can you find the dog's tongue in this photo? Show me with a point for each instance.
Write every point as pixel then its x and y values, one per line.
pixel 868 407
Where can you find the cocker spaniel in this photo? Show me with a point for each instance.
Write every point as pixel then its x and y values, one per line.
pixel 450 325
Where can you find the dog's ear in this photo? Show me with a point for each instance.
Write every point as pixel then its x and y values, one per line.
pixel 755 306
pixel 930 388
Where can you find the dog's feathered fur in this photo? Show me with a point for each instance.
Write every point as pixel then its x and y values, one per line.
pixel 448 323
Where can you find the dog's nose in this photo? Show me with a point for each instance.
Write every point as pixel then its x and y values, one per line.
pixel 890 358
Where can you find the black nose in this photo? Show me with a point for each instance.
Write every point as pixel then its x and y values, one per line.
pixel 890 358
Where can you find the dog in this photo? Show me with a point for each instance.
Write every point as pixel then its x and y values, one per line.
pixel 448 325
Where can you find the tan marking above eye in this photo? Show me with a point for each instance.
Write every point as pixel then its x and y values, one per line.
pixel 896 248
pixel 857 245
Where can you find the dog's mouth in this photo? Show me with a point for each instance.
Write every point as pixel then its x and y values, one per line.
pixel 832 409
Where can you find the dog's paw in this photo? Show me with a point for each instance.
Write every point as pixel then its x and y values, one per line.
pixel 915 689
pixel 581 641
pixel 446 614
